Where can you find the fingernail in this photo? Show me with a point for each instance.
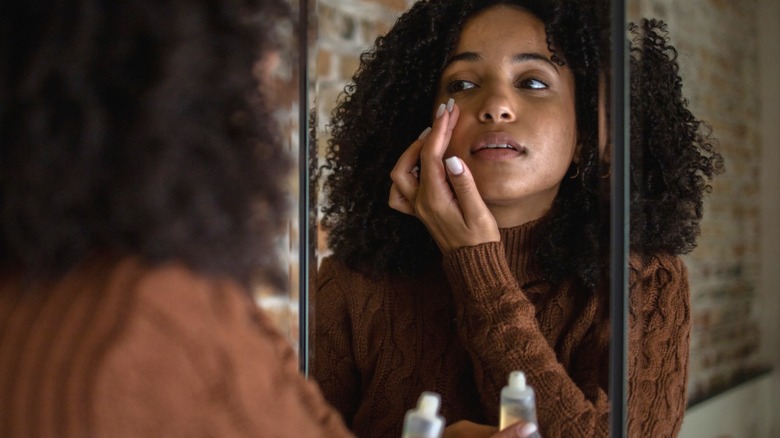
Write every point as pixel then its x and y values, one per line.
pixel 416 172
pixel 450 105
pixel 440 111
pixel 454 165
pixel 425 133
pixel 528 429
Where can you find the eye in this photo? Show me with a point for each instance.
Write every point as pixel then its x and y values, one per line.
pixel 460 85
pixel 533 84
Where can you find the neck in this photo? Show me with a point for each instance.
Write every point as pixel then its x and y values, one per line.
pixel 508 215
pixel 520 243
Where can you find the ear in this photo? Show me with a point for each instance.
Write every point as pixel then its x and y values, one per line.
pixel 575 159
pixel 576 155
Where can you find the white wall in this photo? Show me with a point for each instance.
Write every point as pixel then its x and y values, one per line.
pixel 769 285
pixel 744 411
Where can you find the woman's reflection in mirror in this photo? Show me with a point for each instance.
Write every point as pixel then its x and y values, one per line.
pixel 466 213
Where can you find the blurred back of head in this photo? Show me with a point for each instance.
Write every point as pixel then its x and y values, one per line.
pixel 138 127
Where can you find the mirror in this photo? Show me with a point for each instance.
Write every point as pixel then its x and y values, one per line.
pixel 734 329
pixel 365 329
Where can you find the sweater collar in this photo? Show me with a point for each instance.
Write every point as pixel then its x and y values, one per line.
pixel 519 245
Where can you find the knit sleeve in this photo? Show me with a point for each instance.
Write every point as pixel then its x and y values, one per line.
pixel 498 326
pixel 196 357
pixel 658 345
pixel 333 365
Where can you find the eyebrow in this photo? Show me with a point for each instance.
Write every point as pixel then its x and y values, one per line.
pixel 517 58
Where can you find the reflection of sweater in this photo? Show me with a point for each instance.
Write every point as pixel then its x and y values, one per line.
pixel 118 349
pixel 460 331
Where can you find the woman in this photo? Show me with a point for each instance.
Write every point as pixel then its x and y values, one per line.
pixel 141 190
pixel 490 254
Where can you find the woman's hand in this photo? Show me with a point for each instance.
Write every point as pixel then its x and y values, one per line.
pixel 451 208
pixel 467 429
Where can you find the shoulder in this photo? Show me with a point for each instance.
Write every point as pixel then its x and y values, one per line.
pixel 180 325
pixel 172 300
pixel 334 277
pixel 191 354
pixel 172 307
pixel 658 282
pixel 344 293
pixel 657 267
pixel 332 269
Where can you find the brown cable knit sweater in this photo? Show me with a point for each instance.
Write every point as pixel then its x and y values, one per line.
pixel 460 331
pixel 118 349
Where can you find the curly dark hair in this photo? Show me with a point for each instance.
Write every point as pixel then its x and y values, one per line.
pixel 389 101
pixel 138 127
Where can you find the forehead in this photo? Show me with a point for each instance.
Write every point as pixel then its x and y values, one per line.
pixel 505 26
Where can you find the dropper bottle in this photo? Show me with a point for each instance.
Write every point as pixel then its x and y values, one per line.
pixel 424 421
pixel 518 402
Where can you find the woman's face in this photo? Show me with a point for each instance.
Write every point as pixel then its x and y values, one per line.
pixel 517 127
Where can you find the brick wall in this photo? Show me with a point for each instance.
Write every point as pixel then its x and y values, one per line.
pixel 346 28
pixel 281 88
pixel 718 57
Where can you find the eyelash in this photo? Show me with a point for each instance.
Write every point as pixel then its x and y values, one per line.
pixel 529 80
pixel 455 86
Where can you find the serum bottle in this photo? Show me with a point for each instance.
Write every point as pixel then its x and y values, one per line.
pixel 424 421
pixel 518 402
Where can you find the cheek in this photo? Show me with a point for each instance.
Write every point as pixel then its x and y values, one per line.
pixel 457 144
pixel 557 155
pixel 559 143
pixel 561 136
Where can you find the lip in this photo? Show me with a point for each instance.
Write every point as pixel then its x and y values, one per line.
pixel 489 141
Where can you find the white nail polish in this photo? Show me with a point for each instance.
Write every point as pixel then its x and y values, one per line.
pixel 454 165
pixel 450 105
pixel 425 133
pixel 441 110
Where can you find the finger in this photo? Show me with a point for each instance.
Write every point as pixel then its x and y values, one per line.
pixel 409 158
pixel 468 429
pixel 443 123
pixel 399 202
pixel 452 120
pixel 518 430
pixel 439 139
pixel 475 212
pixel 405 173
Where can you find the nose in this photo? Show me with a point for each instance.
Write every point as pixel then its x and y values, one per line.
pixel 497 107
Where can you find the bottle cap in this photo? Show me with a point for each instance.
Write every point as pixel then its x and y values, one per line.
pixel 517 380
pixel 428 404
